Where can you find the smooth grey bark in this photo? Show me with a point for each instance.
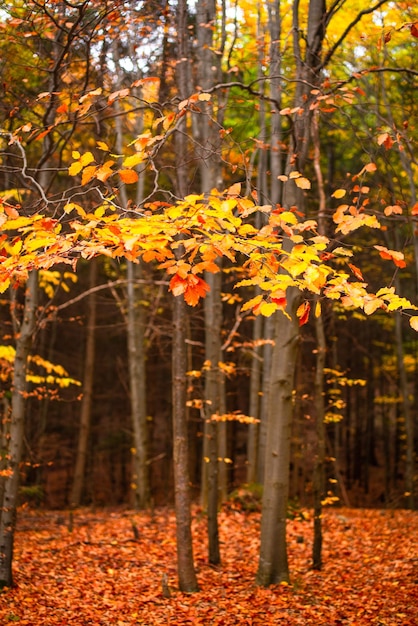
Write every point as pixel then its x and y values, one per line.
pixel 185 565
pixel 321 347
pixel 86 403
pixel 135 325
pixel 403 378
pixel 256 431
pixel 213 319
pixel 135 329
pixel 319 463
pixel 254 408
pixel 208 153
pixel 273 563
pixel 16 433
pixel 182 500
pixel 407 410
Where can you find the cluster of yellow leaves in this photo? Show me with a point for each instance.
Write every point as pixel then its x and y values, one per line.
pixel 54 374
pixel 187 238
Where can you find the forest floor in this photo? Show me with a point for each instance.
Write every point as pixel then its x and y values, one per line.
pixel 106 568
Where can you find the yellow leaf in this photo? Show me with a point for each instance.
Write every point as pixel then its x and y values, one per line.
pixel 339 193
pixel 414 322
pixel 303 183
pixel 103 146
pixel 317 309
pixel 288 217
pixel 72 206
pixel 252 303
pixel 75 154
pixel 204 96
pixel 75 168
pixel 372 305
pixel 267 308
pixel 86 159
pixel 133 160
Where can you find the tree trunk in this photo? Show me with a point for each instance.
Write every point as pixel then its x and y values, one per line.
pixel 209 74
pixel 273 564
pixel 17 424
pixel 319 465
pixel 85 413
pixel 213 318
pixel 185 565
pixel 321 346
pixel 137 388
pixel 135 326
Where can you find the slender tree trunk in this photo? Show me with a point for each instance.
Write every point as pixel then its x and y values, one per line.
pixel 254 411
pixel 137 387
pixel 213 316
pixel 135 326
pixel 209 73
pixel 185 565
pixel 85 413
pixel 256 431
pixel 319 465
pixel 17 424
pixel 407 412
pixel 273 564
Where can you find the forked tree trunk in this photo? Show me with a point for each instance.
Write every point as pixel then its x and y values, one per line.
pixel 16 434
pixel 273 563
pixel 88 380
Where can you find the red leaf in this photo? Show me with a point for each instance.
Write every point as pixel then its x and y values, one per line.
pixel 303 313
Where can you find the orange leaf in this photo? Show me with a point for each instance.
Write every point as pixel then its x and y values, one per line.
pixel 105 171
pixel 197 288
pixel 357 273
pixel 128 176
pixel 393 255
pixel 303 313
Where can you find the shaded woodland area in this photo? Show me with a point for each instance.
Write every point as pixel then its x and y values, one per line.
pixel 368 443
pixel 209 240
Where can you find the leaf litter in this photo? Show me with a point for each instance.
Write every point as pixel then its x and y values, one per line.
pixel 118 568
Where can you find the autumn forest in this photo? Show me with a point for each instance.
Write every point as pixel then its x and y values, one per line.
pixel 208 302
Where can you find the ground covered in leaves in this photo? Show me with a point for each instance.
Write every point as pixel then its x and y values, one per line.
pixel 106 568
